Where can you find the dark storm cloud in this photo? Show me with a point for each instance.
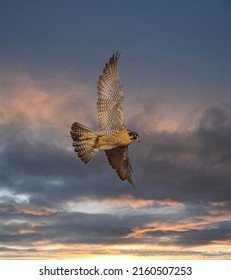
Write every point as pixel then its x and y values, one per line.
pixel 190 165
pixel 215 135
pixel 66 228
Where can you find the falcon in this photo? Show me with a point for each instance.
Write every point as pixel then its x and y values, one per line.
pixel 113 136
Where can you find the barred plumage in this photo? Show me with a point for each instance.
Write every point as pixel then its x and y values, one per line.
pixel 84 141
pixel 110 97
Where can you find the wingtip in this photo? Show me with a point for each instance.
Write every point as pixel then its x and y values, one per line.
pixel 131 182
pixel 116 55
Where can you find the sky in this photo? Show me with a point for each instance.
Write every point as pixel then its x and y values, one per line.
pixel 175 67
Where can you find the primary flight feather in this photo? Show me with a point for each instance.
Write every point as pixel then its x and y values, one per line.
pixel 113 136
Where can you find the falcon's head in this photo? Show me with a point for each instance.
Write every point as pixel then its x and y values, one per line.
pixel 133 136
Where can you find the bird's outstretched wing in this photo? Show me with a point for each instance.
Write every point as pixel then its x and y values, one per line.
pixel 110 97
pixel 119 160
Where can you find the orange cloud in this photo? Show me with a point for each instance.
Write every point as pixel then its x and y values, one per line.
pixel 35 211
pixel 22 99
pixel 137 203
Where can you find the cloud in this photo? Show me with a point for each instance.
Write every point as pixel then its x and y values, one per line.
pixel 52 102
pixel 124 232
pixel 49 199
pixel 189 164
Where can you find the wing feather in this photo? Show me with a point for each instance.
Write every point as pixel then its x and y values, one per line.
pixel 119 160
pixel 110 97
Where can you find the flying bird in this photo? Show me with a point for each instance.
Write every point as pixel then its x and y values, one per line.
pixel 113 136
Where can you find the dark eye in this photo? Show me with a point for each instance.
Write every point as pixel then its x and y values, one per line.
pixel 130 134
pixel 133 135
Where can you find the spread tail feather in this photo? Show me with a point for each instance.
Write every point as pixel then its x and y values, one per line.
pixel 85 141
